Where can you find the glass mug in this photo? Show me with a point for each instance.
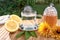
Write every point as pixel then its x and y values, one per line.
pixel 58 26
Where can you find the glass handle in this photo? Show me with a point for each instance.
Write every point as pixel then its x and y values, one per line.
pixel 39 16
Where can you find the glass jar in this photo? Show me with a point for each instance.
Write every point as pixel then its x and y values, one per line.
pixel 50 15
pixel 29 19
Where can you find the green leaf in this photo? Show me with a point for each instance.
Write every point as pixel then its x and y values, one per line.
pixel 19 34
pixel 27 35
pixel 33 33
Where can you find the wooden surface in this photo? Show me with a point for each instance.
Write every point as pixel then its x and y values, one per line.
pixel 12 35
pixel 4 34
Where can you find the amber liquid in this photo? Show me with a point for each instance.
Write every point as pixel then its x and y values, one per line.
pixel 51 20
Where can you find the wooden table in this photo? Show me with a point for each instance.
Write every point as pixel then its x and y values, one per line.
pixel 12 35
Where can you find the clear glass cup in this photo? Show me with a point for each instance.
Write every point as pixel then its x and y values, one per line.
pixel 58 26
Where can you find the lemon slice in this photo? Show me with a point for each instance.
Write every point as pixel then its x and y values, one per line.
pixel 16 18
pixel 11 26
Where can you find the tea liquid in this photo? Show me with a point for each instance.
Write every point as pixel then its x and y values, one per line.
pixel 51 20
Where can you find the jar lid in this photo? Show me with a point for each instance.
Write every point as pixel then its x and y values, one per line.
pixel 50 10
pixel 28 9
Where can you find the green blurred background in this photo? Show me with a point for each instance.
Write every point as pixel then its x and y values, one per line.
pixel 16 6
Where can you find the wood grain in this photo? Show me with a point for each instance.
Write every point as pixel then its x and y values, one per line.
pixel 12 35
